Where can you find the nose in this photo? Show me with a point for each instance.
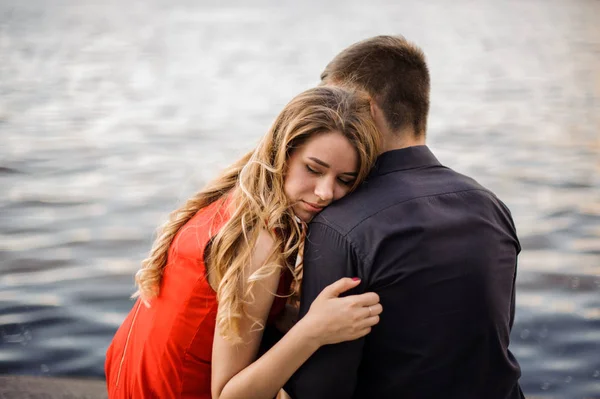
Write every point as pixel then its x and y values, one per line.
pixel 324 190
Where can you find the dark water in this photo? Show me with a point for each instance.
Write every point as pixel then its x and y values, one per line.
pixel 111 113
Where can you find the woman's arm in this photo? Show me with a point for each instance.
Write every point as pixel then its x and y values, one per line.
pixel 235 374
pixel 228 359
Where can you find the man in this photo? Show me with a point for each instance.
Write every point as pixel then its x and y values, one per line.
pixel 438 248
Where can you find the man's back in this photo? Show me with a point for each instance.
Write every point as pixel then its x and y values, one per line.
pixel 441 252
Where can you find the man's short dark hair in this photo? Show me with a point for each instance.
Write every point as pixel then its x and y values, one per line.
pixel 394 72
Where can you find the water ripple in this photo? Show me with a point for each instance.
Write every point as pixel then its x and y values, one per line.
pixel 110 117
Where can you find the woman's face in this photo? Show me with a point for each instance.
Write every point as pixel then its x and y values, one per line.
pixel 319 172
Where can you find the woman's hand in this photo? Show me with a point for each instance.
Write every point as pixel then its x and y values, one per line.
pixel 331 319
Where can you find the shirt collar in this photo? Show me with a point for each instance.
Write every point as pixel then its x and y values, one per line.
pixel 403 159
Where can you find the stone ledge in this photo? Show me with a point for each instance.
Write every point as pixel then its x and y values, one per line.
pixel 28 387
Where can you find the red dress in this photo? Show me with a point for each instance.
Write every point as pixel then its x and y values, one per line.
pixel 165 351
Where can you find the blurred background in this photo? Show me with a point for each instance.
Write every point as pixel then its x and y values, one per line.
pixel 112 113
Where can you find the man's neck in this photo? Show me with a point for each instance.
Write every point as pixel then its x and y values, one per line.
pixel 403 139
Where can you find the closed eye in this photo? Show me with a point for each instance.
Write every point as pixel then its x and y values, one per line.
pixel 313 171
pixel 346 182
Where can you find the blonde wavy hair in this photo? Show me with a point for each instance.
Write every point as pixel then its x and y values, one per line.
pixel 254 189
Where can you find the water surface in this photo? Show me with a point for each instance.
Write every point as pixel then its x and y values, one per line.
pixel 111 114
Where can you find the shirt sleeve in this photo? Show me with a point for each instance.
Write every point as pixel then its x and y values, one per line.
pixel 331 372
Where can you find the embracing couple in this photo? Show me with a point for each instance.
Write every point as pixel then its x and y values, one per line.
pixel 388 274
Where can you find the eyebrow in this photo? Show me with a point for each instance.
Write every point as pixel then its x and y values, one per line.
pixel 326 165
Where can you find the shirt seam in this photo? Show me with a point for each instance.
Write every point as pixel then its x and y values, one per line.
pixel 346 239
pixel 338 227
pixel 402 169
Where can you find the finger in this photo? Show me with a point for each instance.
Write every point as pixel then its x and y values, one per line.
pixel 361 333
pixel 340 286
pixel 367 322
pixel 374 310
pixel 368 311
pixel 366 299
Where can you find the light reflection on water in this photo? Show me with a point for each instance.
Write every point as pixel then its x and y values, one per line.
pixel 110 116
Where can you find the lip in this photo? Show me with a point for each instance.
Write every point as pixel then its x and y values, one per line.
pixel 312 207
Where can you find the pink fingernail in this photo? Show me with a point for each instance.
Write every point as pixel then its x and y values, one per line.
pixel 355 279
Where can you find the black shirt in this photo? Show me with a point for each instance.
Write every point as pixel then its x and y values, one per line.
pixel 441 252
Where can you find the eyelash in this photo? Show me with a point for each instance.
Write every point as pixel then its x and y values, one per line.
pixel 311 170
pixel 314 172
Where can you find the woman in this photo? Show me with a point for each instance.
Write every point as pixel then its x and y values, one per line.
pixel 225 264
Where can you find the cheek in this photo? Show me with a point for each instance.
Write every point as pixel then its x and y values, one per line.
pixel 290 187
pixel 340 191
pixel 303 185
pixel 295 183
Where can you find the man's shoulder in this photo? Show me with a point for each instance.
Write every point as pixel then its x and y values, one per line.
pixel 344 215
pixel 399 190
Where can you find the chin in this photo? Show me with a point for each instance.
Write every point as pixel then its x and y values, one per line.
pixel 303 215
pixel 306 218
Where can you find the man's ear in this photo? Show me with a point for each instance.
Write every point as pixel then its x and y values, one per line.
pixel 374 109
pixel 377 114
pixel 379 118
